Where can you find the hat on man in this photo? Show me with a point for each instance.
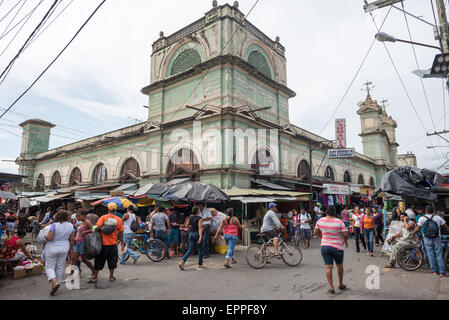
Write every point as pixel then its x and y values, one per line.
pixel 271 205
pixel 112 207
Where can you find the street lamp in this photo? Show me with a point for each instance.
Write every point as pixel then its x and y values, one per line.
pixel 385 37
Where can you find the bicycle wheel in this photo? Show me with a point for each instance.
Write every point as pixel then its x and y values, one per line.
pixel 291 256
pixel 255 256
pixel 155 250
pixel 446 258
pixel 409 258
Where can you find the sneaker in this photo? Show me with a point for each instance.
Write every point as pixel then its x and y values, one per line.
pixel 201 268
pixel 435 273
pixel 443 275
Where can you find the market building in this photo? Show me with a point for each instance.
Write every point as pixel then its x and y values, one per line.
pixel 218 112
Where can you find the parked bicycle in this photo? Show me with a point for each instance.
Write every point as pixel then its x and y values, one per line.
pixel 258 255
pixel 35 229
pixel 154 249
pixel 411 257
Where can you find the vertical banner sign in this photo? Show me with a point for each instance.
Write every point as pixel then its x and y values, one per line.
pixel 340 132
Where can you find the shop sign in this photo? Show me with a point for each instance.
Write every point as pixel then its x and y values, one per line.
pixel 335 189
pixel 340 132
pixel 340 153
pixel 266 169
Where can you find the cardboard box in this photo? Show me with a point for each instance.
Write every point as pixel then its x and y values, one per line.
pixel 24 273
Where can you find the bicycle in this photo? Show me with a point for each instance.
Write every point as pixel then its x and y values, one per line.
pixel 154 249
pixel 35 231
pixel 411 257
pixel 257 256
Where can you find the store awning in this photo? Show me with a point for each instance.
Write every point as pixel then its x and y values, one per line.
pixel 51 197
pixel 236 192
pixel 298 183
pixel 31 194
pixel 126 186
pixel 90 196
pixel 252 199
pixel 270 185
pixel 176 181
pixel 7 195
pixel 285 199
pixel 141 192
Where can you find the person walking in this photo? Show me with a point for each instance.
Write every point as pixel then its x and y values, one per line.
pixel 184 233
pixel 10 224
pixel 356 221
pixel 60 239
pixel 195 223
pixel 431 226
pixel 110 227
pixel 345 219
pixel 378 225
pixel 160 226
pixel 334 235
pixel 305 221
pixel 231 226
pixel 128 235
pixel 369 231
pixel 206 216
pixel 83 230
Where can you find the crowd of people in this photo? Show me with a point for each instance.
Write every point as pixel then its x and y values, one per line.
pixel 185 232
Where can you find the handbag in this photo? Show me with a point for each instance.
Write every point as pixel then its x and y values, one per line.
pixel 134 226
pixel 93 245
pixel 41 236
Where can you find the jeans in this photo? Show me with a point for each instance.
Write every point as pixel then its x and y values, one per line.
pixel 193 241
pixel 231 240
pixel 369 236
pixel 206 233
pixel 290 231
pixel 358 235
pixel 347 228
pixel 162 235
pixel 379 237
pixel 128 237
pixel 184 241
pixel 434 251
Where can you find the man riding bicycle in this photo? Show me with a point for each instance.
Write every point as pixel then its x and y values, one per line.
pixel 271 227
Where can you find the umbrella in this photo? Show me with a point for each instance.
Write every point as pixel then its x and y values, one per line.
pixel 195 191
pixel 122 203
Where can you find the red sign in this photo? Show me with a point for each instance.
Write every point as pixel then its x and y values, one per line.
pixel 340 132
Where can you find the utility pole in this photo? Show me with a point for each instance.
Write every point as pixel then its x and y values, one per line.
pixel 442 18
pixel 310 178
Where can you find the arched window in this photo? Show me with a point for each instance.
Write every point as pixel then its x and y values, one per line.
pixel 347 177
pixel 258 60
pixel 185 159
pixel 40 184
pixel 329 174
pixel 100 174
pixel 130 170
pixel 55 180
pixel 361 180
pixel 304 171
pixel 75 177
pixel 185 60
pixel 263 163
pixel 371 182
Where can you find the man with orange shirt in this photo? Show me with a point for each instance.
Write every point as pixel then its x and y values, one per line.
pixel 109 225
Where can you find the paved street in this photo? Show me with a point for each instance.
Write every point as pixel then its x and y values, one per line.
pixel 163 280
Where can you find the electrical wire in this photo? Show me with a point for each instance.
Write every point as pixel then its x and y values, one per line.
pixel 31 12
pixel 12 20
pixel 11 63
pixel 355 76
pixel 55 59
pixel 402 82
pixel 17 3
pixel 205 74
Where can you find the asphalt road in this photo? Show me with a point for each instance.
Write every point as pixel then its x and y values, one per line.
pixel 164 280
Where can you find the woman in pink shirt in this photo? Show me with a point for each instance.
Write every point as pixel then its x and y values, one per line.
pixel 330 230
pixel 231 227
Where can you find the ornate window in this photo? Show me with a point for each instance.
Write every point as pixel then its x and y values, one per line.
pixel 75 177
pixel 258 60
pixel 40 184
pixel 304 171
pixel 361 180
pixel 185 60
pixel 371 182
pixel 185 159
pixel 56 180
pixel 130 170
pixel 263 163
pixel 347 177
pixel 329 174
pixel 100 174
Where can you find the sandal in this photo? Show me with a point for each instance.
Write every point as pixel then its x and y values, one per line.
pixel 54 289
pixel 331 291
pixel 181 265
pixel 233 261
pixel 92 281
pixel 227 265
pixel 113 279
pixel 389 266
pixel 343 287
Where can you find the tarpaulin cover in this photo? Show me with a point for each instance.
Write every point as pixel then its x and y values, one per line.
pixel 410 182
pixel 195 191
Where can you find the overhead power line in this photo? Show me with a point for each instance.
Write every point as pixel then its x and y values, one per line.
pixel 12 20
pixel 55 59
pixel 9 12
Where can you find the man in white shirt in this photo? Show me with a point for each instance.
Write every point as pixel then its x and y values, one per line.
pixel 305 220
pixel 431 225
pixel 206 215
pixel 217 218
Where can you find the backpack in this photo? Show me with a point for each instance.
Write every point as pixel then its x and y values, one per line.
pixel 109 226
pixel 134 225
pixel 431 228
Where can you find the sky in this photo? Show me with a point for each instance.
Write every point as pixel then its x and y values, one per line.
pixel 95 85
